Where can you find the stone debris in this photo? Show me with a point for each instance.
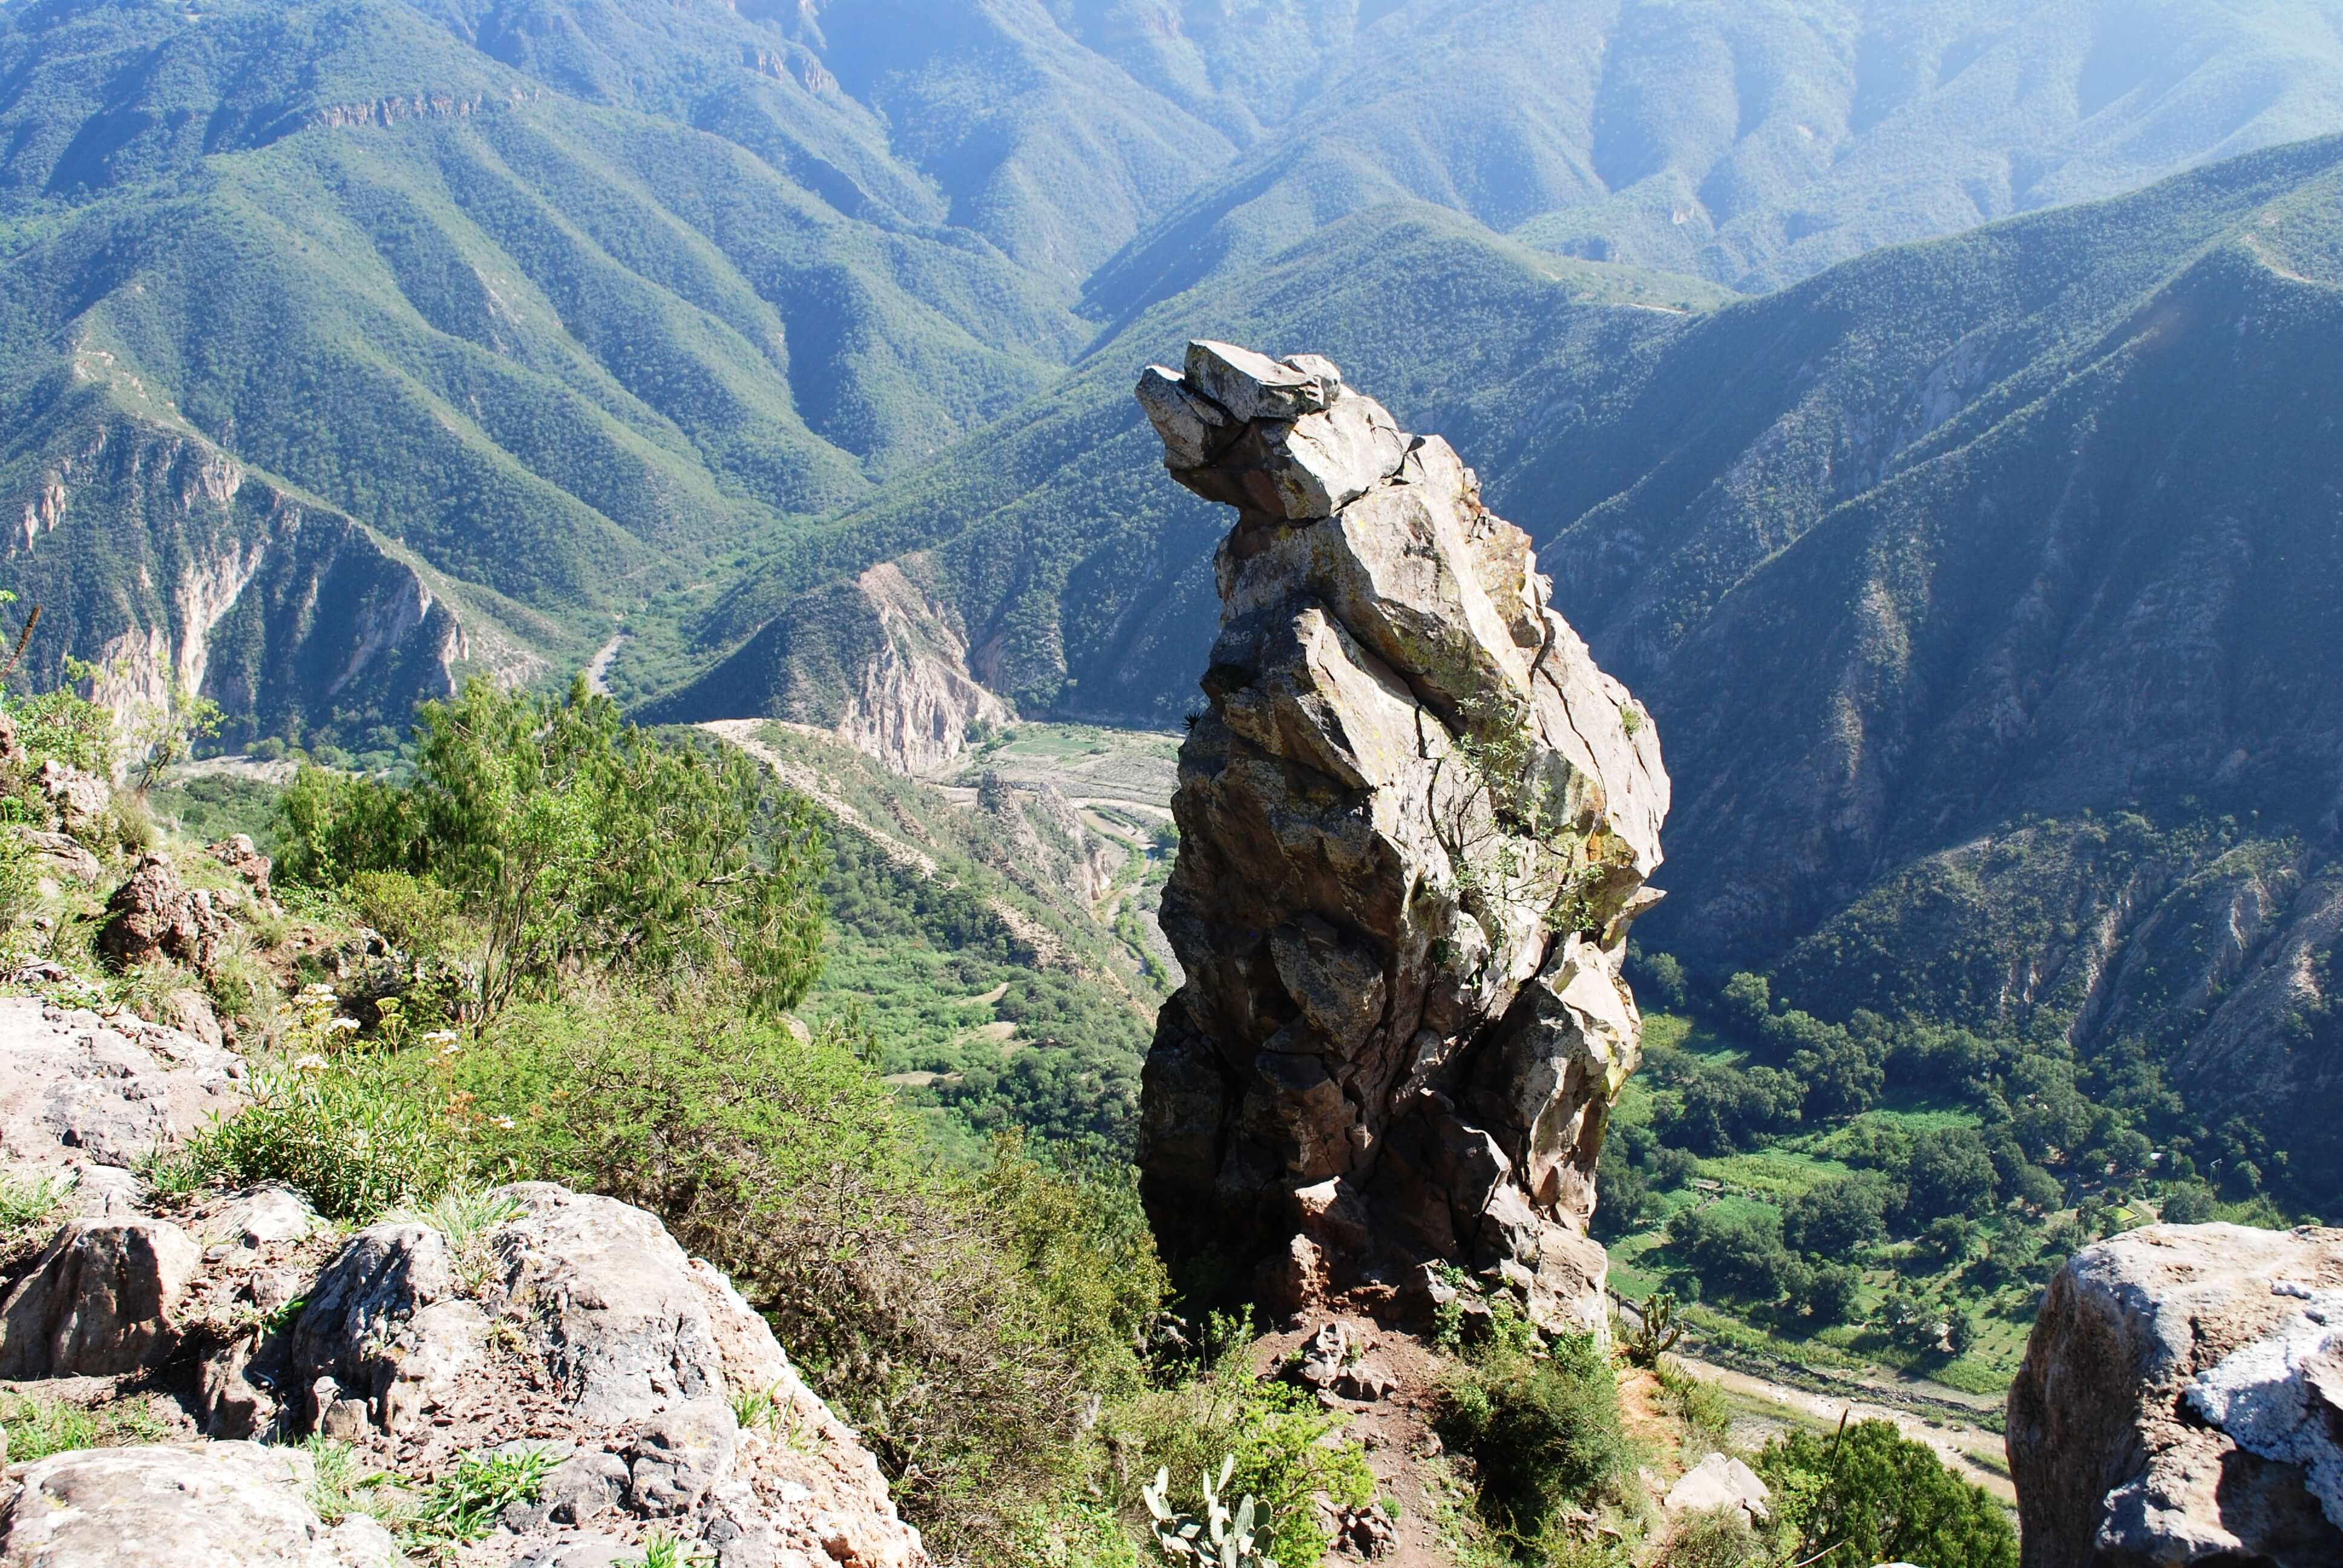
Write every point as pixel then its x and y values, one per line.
pixel 1416 822
pixel 1720 1481
pixel 2181 1401
pixel 104 1299
pixel 80 800
pixel 1334 1362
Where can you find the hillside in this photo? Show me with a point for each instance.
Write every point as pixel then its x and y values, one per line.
pixel 563 319
pixel 1981 590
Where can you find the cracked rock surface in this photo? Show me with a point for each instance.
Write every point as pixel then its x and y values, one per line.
pixel 2181 1402
pixel 1417 821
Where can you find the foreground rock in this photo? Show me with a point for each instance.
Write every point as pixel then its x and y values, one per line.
pixel 1417 821
pixel 577 1328
pixel 223 1505
pixel 2181 1402
pixel 109 1091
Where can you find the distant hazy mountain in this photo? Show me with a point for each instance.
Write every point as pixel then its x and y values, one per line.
pixel 347 344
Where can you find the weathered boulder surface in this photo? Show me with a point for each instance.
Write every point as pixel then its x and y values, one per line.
pixel 2181 1402
pixel 104 1298
pixel 1416 822
pixel 222 1505
pixel 110 1090
pixel 153 916
pixel 579 1327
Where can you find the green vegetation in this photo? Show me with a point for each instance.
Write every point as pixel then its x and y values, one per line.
pixel 1888 1191
pixel 573 841
pixel 1877 1496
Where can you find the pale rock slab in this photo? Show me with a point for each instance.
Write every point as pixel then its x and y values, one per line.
pixel 222 1505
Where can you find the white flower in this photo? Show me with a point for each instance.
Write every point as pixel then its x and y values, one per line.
pixel 505 1122
pixel 345 1025
pixel 312 1062
pixel 439 1036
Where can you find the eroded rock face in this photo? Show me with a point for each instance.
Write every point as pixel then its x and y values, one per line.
pixel 1417 821
pixel 107 1091
pixel 581 1327
pixel 153 916
pixel 104 1298
pixel 224 1506
pixel 2181 1402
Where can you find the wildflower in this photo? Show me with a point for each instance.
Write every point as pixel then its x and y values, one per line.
pixel 439 1036
pixel 312 1062
pixel 345 1025
pixel 505 1122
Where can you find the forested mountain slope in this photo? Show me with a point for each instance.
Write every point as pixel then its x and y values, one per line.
pixel 555 311
pixel 1984 591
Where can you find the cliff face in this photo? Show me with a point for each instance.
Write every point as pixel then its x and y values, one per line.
pixel 1417 821
pixel 162 557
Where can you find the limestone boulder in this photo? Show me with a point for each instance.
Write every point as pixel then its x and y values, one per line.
pixel 80 799
pixel 104 1298
pixel 579 1321
pixel 222 1505
pixel 1720 1481
pixel 78 1087
pixel 2181 1402
pixel 1416 823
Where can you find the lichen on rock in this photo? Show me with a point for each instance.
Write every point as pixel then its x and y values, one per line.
pixel 1417 821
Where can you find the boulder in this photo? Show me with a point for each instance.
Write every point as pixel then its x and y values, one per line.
pixel 62 855
pixel 74 1086
pixel 239 855
pixel 104 1298
pixel 2181 1402
pixel 80 799
pixel 220 1506
pixel 1417 821
pixel 1720 1481
pixel 153 917
pixel 593 1329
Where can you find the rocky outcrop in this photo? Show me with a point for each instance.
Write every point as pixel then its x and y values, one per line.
pixel 106 1090
pixel 153 917
pixel 106 1297
pixel 1417 821
pixel 224 1506
pixel 576 1326
pixel 916 698
pixel 2181 1402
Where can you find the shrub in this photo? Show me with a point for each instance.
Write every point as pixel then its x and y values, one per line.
pixel 1869 1494
pixel 577 842
pixel 356 1131
pixel 1541 1432
pixel 1281 1447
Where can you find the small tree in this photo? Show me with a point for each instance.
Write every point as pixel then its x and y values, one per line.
pixel 575 841
pixel 1869 1494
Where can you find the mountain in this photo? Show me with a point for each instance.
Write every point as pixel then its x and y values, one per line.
pixel 1983 591
pixel 1755 143
pixel 561 317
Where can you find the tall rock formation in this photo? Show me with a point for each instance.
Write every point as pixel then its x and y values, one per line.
pixel 2181 1402
pixel 1417 821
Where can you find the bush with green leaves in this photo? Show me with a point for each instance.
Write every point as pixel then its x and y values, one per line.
pixel 1279 1445
pixel 1541 1431
pixel 1867 1494
pixel 358 1129
pixel 575 842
